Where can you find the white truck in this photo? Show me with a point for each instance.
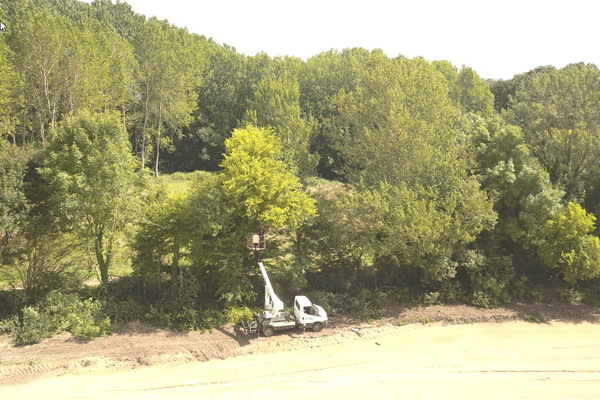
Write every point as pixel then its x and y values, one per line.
pixel 273 318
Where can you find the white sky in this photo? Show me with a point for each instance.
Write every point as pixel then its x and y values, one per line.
pixel 498 38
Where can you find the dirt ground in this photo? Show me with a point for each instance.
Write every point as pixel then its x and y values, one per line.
pixel 138 346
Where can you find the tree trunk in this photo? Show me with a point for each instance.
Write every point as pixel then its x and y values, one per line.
pixel 175 265
pixel 146 114
pixel 103 262
pixel 158 139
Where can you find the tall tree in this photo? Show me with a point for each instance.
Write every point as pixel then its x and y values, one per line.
pixel 475 95
pixel 169 66
pixel 106 70
pixel 417 201
pixel 276 105
pixel 10 85
pixel 222 100
pixel 13 201
pixel 258 187
pixel 397 126
pixel 91 172
pixel 558 114
pixel 505 89
pixel 44 45
pixel 320 81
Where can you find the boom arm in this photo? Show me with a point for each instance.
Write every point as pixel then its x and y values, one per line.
pixel 272 303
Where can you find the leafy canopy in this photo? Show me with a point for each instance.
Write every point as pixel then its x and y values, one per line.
pixel 258 186
pixel 91 173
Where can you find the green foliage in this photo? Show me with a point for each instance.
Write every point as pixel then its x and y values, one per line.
pixel 397 126
pixel 10 83
pixel 236 314
pixel 57 313
pixel 91 173
pixel 178 316
pixel 570 245
pixel 557 112
pixel 257 186
pixel 13 200
pixel 124 311
pixel 475 95
pixel 34 328
pixel 524 197
pixel 170 67
pixel 441 199
pixel 276 106
pixel 504 90
pixel 367 303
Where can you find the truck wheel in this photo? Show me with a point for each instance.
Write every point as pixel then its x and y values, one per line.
pixel 317 327
pixel 268 331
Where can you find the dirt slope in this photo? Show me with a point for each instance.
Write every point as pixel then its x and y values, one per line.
pixel 134 345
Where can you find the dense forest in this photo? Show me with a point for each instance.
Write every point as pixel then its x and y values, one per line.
pixel 135 157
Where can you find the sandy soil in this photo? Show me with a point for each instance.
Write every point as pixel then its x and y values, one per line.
pixel 434 338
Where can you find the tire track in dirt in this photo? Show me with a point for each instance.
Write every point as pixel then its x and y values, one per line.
pixel 6 374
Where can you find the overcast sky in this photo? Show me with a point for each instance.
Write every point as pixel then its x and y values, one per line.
pixel 498 39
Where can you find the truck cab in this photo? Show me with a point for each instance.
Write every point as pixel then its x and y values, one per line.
pixel 309 315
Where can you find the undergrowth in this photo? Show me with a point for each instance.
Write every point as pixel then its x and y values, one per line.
pixel 84 319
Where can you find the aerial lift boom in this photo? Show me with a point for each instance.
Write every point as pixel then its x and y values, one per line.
pixel 273 318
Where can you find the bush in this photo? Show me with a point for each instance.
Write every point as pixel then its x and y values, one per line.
pixel 332 303
pixel 35 327
pixel 58 313
pixel 185 316
pixel 8 325
pixel 429 299
pixel 124 311
pixel 89 321
pixel 235 315
pixel 571 296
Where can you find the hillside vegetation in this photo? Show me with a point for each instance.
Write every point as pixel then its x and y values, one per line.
pixel 135 157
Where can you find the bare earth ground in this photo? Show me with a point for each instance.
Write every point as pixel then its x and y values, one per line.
pixel 135 345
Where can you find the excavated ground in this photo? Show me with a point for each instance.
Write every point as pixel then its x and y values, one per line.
pixel 135 345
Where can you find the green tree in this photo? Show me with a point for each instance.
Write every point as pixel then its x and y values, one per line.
pixel 105 76
pixel 320 80
pixel 475 95
pixel 397 126
pixel 261 194
pixel 396 135
pixel 505 89
pixel 450 73
pixel 257 185
pixel 91 173
pixel 13 200
pixel 276 105
pixel 169 67
pixel 10 83
pixel 557 111
pixel 569 244
pixel 523 195
pixel 44 44
pixel 222 101
pixel 118 16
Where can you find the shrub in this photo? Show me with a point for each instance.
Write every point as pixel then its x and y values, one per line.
pixel 88 321
pixel 571 296
pixel 8 325
pixel 124 311
pixel 235 315
pixel 185 316
pixel 333 303
pixel 33 329
pixel 369 304
pixel 429 299
pixel 59 312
